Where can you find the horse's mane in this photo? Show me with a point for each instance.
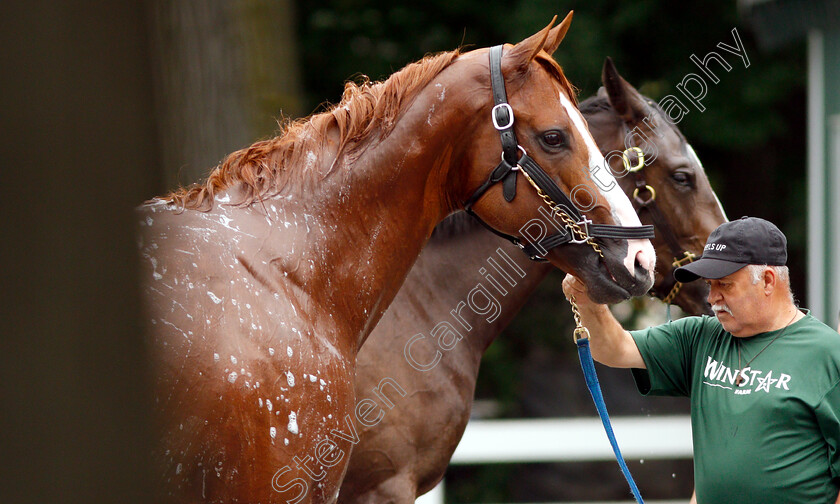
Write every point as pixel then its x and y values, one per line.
pixel 268 165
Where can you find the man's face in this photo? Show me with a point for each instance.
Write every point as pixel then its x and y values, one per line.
pixel 737 303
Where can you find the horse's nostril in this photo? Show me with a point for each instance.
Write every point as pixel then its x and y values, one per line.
pixel 640 260
pixel 644 261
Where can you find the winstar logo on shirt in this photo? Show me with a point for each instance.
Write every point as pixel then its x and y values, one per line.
pixel 752 380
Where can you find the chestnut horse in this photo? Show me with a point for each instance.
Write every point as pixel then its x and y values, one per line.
pixel 262 283
pixel 418 394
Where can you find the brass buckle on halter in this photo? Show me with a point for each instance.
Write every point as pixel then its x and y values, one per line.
pixel 688 257
pixel 626 159
pixel 649 189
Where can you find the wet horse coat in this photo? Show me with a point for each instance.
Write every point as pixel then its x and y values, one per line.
pixel 411 433
pixel 262 283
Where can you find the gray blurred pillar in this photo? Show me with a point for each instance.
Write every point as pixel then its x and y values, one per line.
pixel 824 172
pixel 77 153
pixel 224 71
pixel 780 22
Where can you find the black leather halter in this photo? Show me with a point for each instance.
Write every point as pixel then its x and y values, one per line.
pixel 578 229
pixel 680 256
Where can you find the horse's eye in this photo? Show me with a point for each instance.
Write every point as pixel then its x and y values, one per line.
pixel 681 178
pixel 553 138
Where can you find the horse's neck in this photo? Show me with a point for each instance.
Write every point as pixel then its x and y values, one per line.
pixel 355 234
pixel 463 272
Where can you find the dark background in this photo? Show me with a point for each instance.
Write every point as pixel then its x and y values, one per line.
pixel 97 116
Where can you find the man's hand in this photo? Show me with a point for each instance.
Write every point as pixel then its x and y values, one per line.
pixel 574 288
pixel 609 342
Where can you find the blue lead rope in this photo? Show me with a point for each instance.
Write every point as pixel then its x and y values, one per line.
pixel 595 390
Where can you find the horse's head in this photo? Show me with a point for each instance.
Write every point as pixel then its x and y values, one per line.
pixel 551 191
pixel 670 189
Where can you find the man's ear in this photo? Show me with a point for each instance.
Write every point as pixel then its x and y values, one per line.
pixel 771 281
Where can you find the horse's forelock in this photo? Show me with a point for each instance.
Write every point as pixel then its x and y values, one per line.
pixel 556 70
pixel 594 104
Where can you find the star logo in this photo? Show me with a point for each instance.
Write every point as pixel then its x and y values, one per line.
pixel 764 383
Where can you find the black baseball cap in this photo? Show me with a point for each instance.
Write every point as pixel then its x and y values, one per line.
pixel 735 244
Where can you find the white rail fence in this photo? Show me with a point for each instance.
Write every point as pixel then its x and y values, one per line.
pixel 569 440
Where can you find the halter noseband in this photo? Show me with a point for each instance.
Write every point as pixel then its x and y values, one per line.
pixel 577 228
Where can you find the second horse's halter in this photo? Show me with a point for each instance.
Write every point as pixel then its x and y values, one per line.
pixel 680 256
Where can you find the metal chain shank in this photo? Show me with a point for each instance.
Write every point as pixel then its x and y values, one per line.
pixel 567 220
pixel 580 330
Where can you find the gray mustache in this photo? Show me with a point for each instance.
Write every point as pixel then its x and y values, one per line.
pixel 721 308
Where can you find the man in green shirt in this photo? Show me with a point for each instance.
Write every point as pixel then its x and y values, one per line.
pixel 763 377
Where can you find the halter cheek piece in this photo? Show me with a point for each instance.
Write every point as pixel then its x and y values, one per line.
pixel 680 256
pixel 577 228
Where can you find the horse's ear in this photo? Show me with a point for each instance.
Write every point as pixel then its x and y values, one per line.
pixel 624 98
pixel 556 34
pixel 524 52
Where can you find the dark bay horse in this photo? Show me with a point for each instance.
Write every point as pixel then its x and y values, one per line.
pixel 424 390
pixel 262 283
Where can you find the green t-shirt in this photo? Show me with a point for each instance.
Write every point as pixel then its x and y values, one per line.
pixel 774 438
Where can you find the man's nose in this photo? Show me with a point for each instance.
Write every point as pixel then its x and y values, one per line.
pixel 713 296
